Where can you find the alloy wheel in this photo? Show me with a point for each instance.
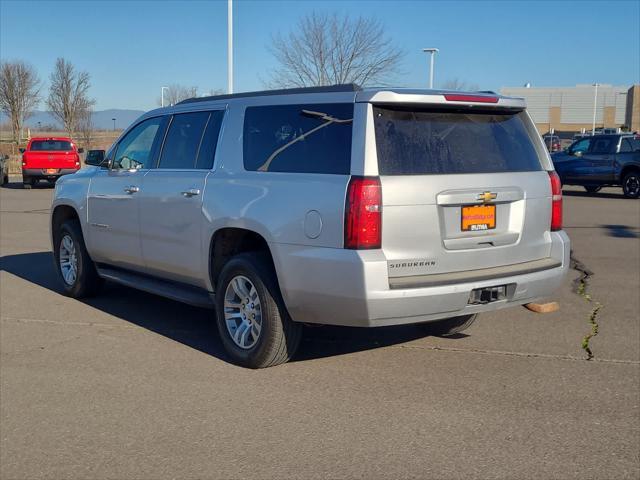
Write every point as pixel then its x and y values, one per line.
pixel 68 260
pixel 632 185
pixel 242 312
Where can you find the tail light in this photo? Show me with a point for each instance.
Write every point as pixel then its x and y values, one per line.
pixel 556 201
pixel 363 214
pixel 456 97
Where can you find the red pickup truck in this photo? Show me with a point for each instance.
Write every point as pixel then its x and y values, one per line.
pixel 49 158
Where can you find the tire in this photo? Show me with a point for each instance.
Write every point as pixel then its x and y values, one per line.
pixel 87 282
pixel 6 179
pixel 592 188
pixel 631 184
pixel 27 182
pixel 450 326
pixel 267 336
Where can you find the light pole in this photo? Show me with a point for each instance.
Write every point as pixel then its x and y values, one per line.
pixel 433 52
pixel 595 103
pixel 162 89
pixel 114 124
pixel 229 46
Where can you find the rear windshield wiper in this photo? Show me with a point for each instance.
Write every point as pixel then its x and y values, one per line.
pixel 328 120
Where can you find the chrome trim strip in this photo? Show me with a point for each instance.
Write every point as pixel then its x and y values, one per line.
pixel 439 279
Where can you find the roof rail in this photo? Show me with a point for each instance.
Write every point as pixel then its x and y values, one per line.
pixel 346 87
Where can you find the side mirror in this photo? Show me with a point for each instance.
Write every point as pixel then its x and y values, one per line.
pixel 94 157
pixel 81 150
pixel 22 150
pixel 578 153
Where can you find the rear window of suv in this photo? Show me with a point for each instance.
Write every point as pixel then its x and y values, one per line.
pixel 51 145
pixel 309 138
pixel 443 141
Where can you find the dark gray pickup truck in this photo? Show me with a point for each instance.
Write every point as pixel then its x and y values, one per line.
pixel 602 160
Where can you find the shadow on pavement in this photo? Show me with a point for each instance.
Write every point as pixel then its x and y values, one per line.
pixel 575 193
pixel 196 327
pixel 621 231
pixel 18 185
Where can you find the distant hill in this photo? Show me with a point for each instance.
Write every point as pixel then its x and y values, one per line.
pixel 102 119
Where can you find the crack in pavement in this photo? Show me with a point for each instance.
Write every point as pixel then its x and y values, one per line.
pixel 40 211
pixel 579 287
pixel 316 340
pixel 517 354
pixel 89 324
pixel 40 348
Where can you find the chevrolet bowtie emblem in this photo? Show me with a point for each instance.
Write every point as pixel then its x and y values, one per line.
pixel 486 197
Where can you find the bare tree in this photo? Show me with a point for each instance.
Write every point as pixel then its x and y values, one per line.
pixel 69 95
pixel 215 91
pixel 87 128
pixel 176 93
pixel 455 84
pixel 19 94
pixel 328 49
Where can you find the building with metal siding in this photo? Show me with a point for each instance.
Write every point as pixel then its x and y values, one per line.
pixel 570 109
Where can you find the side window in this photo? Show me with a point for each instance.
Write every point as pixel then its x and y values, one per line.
pixel 625 146
pixel 601 146
pixel 209 141
pixel 581 146
pixel 298 138
pixel 134 151
pixel 183 139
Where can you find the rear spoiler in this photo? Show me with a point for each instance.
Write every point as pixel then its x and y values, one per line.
pixel 441 98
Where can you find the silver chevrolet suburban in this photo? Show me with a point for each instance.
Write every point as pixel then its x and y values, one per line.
pixel 326 205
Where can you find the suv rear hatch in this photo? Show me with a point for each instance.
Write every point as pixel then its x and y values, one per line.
pixel 463 189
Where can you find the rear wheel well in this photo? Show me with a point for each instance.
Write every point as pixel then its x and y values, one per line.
pixel 628 169
pixel 61 214
pixel 228 242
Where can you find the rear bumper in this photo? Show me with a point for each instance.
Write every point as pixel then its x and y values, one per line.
pixel 42 172
pixel 352 288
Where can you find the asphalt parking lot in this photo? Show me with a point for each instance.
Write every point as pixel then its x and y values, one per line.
pixel 130 385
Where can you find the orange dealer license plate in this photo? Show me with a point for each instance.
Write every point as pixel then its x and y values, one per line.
pixel 52 170
pixel 478 217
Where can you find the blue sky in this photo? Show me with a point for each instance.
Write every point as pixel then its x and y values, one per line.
pixel 133 48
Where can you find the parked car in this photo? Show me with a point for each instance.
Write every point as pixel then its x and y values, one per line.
pixel 552 142
pixel 579 136
pixel 327 205
pixel 48 159
pixel 4 169
pixel 602 160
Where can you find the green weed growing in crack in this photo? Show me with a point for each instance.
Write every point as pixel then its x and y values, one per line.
pixel 580 287
pixel 594 327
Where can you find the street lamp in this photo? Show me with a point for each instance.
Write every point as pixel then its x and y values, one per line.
pixel 229 46
pixel 433 52
pixel 162 95
pixel 595 102
pixel 114 124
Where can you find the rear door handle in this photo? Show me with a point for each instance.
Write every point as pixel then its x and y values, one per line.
pixel 132 189
pixel 192 192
